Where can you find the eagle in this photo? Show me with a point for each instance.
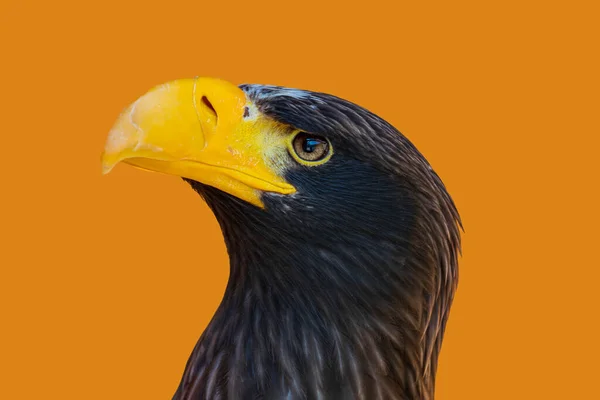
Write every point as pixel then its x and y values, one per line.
pixel 343 241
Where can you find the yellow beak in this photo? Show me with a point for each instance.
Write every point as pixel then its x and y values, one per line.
pixel 196 129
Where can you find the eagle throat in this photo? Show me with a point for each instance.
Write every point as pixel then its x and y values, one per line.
pixel 330 316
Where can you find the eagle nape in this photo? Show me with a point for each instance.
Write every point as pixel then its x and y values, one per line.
pixel 343 241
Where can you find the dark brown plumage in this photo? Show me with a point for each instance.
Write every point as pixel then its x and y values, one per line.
pixel 341 290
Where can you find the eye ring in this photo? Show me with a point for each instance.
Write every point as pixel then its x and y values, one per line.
pixel 310 149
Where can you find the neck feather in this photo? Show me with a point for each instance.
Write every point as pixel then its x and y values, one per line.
pixel 311 319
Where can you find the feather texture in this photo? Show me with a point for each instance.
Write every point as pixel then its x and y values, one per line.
pixel 342 290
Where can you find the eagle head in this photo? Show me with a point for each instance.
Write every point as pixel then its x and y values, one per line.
pixel 343 241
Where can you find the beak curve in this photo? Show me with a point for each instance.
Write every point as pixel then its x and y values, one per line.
pixel 195 129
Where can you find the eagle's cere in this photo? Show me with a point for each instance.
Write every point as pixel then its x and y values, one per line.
pixel 343 241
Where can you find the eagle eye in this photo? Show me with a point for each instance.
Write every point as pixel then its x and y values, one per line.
pixel 310 149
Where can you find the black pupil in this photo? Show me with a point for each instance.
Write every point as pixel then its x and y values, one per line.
pixel 310 144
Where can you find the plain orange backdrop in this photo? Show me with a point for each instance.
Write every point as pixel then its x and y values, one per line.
pixel 106 282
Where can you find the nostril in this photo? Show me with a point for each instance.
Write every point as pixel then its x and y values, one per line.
pixel 208 107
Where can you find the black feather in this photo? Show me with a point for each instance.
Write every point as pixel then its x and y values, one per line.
pixel 342 290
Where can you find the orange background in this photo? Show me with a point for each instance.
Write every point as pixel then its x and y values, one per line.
pixel 108 281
